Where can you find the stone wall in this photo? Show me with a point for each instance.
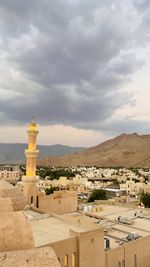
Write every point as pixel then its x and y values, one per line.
pixel 82 249
pixel 6 205
pixel 66 249
pixel 90 247
pixel 135 253
pixel 39 257
pixel 15 232
pixel 59 202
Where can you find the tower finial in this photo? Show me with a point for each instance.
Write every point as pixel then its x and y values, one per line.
pixel 33 119
pixel 32 126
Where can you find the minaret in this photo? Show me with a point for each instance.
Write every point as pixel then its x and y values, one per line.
pixel 30 180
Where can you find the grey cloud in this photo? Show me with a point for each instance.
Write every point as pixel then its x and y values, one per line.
pixel 126 125
pixel 72 59
pixel 142 34
pixel 141 5
pixel 123 66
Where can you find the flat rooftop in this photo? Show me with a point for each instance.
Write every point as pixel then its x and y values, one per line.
pixel 49 229
pixel 46 231
pixel 118 231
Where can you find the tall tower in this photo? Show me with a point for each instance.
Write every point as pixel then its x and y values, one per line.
pixel 30 179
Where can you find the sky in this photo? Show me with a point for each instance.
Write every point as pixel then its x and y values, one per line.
pixel 81 68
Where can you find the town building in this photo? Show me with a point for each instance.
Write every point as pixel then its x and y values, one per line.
pixel 52 231
pixel 10 173
pixel 61 202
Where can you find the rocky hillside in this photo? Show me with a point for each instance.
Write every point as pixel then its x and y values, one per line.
pixel 128 150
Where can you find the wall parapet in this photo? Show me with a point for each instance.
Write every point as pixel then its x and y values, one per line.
pixel 83 235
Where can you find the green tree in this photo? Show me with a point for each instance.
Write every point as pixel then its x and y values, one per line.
pixel 145 199
pixel 98 194
pixel 50 190
pixel 55 174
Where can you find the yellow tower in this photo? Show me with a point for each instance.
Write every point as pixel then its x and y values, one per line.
pixel 30 179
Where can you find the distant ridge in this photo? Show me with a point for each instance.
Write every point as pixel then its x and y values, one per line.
pixel 126 150
pixel 14 153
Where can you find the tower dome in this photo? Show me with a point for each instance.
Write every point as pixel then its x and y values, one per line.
pixel 7 190
pixel 32 127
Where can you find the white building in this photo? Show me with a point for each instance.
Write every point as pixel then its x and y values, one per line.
pixel 9 173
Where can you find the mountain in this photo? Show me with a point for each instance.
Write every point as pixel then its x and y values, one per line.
pixel 14 153
pixel 127 150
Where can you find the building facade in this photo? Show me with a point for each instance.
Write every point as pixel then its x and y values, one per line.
pixel 76 239
pixel 9 173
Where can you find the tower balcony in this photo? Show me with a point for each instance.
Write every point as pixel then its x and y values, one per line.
pixel 31 153
pixel 32 132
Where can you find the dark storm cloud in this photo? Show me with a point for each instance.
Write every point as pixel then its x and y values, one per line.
pixel 67 61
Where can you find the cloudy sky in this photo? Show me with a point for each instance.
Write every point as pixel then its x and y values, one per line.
pixel 81 67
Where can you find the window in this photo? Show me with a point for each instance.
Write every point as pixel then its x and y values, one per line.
pixel 135 260
pixel 119 264
pixel 73 259
pixel 123 263
pixel 31 199
pixel 66 261
pixel 37 202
